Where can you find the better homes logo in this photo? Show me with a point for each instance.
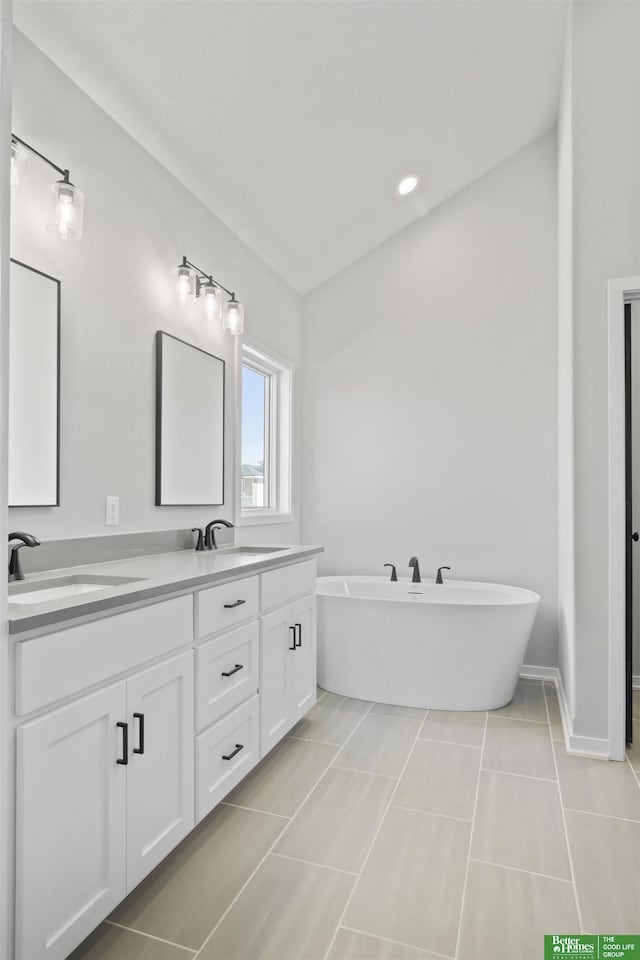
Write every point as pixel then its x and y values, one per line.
pixel 579 948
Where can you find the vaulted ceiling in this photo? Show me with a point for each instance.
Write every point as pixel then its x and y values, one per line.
pixel 293 121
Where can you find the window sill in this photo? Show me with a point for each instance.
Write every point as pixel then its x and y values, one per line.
pixel 263 519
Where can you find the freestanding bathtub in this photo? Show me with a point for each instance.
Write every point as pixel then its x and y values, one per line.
pixel 453 646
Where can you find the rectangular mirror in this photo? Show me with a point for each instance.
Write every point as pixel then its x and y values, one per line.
pixel 189 424
pixel 34 388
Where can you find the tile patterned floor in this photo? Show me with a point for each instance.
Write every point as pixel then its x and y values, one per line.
pixel 384 833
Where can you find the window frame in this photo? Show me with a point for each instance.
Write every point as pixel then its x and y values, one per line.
pixel 278 436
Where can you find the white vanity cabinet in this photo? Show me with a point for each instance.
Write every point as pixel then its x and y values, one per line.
pixel 287 660
pixel 131 727
pixel 105 791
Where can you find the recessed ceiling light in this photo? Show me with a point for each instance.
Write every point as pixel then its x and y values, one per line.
pixel 407 185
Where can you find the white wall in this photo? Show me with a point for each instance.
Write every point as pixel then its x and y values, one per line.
pixel 430 409
pixel 139 221
pixel 602 106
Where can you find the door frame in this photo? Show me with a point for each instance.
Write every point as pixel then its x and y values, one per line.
pixel 619 292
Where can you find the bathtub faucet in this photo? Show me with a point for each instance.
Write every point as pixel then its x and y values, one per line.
pixel 439 574
pixel 416 570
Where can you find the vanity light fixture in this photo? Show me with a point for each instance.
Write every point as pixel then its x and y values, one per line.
pixel 66 201
pixel 190 282
pixel 407 185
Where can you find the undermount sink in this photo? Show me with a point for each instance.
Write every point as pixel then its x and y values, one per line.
pixel 235 551
pixel 61 588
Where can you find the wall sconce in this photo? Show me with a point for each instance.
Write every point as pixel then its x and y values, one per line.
pixel 66 201
pixel 190 283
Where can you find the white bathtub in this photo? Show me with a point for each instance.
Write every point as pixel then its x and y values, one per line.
pixel 455 646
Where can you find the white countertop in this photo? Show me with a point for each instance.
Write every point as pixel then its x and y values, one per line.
pixel 156 575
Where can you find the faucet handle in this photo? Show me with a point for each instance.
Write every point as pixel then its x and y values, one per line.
pixel 200 543
pixel 439 574
pixel 394 575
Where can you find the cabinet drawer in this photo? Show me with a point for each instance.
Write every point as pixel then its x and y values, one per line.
pixel 57 665
pixel 286 583
pixel 226 672
pixel 235 737
pixel 222 607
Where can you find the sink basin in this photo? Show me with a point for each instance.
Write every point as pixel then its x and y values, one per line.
pixel 235 551
pixel 61 588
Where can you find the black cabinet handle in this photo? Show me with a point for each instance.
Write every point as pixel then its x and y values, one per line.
pixel 299 628
pixel 230 756
pixel 140 747
pixel 230 673
pixel 635 537
pixel 124 760
pixel 236 603
pixel 295 645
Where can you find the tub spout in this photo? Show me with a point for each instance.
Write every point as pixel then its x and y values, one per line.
pixel 416 570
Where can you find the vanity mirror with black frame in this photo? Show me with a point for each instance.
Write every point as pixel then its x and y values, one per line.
pixel 34 388
pixel 189 424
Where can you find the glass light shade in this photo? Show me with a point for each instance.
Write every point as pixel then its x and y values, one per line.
pixel 18 173
pixel 233 317
pixel 210 301
pixel 66 210
pixel 184 281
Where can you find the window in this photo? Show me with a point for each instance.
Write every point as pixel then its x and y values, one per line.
pixel 265 439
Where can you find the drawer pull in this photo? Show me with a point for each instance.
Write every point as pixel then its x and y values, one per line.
pixel 295 645
pixel 230 756
pixel 124 759
pixel 236 603
pixel 230 673
pixel 299 640
pixel 140 747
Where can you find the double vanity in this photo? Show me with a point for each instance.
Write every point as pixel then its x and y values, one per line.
pixel 145 690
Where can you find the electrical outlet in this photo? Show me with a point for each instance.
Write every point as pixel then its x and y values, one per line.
pixel 111 511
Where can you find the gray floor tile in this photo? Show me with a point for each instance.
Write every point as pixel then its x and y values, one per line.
pixel 440 778
pixel 555 718
pixel 185 896
pixel 550 688
pixel 527 704
pixel 606 862
pixel 598 786
pixel 517 746
pixel 455 726
pixel 636 704
pixel 288 911
pixel 507 913
pixel 379 745
pixel 282 780
pixel 351 945
pixel 331 720
pixel 113 943
pixel 410 889
pixel 337 823
pixel 408 713
pixel 518 823
pixel 633 752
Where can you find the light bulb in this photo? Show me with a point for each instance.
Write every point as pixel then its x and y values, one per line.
pixel 233 317
pixel 18 173
pixel 407 185
pixel 66 209
pixel 210 301
pixel 184 279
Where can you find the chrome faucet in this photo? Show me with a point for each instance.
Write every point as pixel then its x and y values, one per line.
pixel 416 570
pixel 439 574
pixel 26 540
pixel 210 533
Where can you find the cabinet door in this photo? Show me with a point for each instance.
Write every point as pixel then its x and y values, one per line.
pixel 276 671
pixel 160 775
pixel 303 686
pixel 71 836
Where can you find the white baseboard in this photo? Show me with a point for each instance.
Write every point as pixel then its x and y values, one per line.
pixel 575 744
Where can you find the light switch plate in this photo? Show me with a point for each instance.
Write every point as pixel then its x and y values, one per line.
pixel 112 511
